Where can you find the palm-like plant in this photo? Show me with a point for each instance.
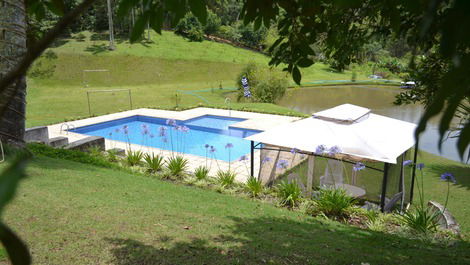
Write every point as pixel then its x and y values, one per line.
pixel 201 172
pixel 226 178
pixel 177 166
pixel 134 158
pixel 334 202
pixel 289 193
pixel 153 163
pixel 254 186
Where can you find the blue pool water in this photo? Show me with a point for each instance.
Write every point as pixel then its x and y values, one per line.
pixel 212 130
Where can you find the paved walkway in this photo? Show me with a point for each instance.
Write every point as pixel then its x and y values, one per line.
pixel 254 121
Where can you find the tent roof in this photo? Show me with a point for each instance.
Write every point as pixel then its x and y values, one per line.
pixel 356 131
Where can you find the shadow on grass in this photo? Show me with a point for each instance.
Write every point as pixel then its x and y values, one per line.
pixel 286 241
pixel 461 173
pixel 97 48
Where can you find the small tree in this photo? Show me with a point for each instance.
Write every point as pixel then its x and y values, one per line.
pixel 267 85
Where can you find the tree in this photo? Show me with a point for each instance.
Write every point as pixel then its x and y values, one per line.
pixel 429 27
pixel 12 49
pixel 111 26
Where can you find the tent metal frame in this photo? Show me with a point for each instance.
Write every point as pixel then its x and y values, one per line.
pixel 384 170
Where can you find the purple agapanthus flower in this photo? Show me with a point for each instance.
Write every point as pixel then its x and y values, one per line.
pixel 144 131
pixel 162 131
pixel 171 122
pixel 334 150
pixel 243 158
pixel 320 149
pixel 359 166
pixel 184 129
pixel 125 129
pixel 228 145
pixel 212 149
pixel 206 146
pixel 282 164
pixel 266 159
pixel 448 177
pixel 294 150
pixel 144 126
pixel 407 162
pixel 420 166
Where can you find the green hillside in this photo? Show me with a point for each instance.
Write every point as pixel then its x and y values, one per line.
pixel 154 71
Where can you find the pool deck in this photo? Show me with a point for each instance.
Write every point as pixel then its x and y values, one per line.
pixel 254 121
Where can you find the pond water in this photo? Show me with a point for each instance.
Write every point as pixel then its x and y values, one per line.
pixel 379 100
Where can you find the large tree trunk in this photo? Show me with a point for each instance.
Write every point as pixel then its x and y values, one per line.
pixel 12 49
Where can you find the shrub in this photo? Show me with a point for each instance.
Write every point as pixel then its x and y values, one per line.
pixel 177 166
pixel 201 172
pixel 334 203
pixel 190 27
pixel 289 193
pixel 134 158
pixel 112 155
pixel 72 155
pixel 226 178
pixel 213 23
pixel 95 151
pixel 421 219
pixel 153 163
pixel 254 186
pixel 266 85
pixel 251 37
pixel 229 33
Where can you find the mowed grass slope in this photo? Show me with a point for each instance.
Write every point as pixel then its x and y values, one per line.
pixel 153 71
pixel 71 213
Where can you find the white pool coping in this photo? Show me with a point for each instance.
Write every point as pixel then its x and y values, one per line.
pixel 253 121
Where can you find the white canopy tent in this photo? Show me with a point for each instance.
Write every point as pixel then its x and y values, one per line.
pixel 359 134
pixel 355 130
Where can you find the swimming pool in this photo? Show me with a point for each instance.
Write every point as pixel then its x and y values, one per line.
pixel 189 137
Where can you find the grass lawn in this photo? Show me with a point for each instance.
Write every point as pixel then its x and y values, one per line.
pixel 155 72
pixel 79 214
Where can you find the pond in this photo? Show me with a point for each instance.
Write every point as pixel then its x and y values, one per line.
pixel 377 98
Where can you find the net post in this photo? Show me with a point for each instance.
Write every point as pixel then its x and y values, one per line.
pixel 384 187
pixel 252 162
pixel 88 98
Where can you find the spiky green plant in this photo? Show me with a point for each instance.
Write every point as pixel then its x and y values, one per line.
pixel 153 163
pixel 421 219
pixel 226 178
pixel 177 166
pixel 201 172
pixel 334 203
pixel 254 186
pixel 134 158
pixel 289 193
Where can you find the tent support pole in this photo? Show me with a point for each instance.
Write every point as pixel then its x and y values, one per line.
pixel 252 162
pixel 415 158
pixel 384 187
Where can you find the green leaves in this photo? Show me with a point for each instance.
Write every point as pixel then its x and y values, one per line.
pixel 9 180
pixel 38 8
pixel 198 8
pixel 16 249
pixel 153 13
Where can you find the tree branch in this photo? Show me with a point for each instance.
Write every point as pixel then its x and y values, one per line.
pixel 36 50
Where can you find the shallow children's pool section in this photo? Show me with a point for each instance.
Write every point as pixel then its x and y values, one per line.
pixel 187 134
pixel 208 135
